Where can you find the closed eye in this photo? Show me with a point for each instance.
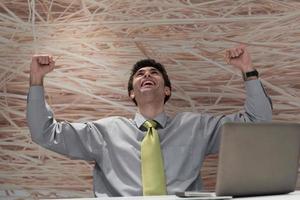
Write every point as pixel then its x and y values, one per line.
pixel 154 71
pixel 140 73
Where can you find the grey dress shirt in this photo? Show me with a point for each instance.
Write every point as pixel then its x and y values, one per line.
pixel 114 142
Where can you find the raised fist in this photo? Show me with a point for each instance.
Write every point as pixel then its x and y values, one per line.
pixel 239 57
pixel 40 66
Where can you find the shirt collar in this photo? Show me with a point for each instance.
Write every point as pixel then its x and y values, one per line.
pixel 161 118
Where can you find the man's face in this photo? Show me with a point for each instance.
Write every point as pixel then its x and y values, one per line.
pixel 149 80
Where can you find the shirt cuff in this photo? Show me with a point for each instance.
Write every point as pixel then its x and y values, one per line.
pixel 254 87
pixel 36 92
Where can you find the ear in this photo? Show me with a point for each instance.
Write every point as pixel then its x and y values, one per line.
pixel 132 96
pixel 167 91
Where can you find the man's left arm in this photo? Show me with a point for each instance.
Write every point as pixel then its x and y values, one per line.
pixel 258 105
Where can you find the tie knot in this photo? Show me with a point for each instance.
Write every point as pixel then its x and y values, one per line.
pixel 150 124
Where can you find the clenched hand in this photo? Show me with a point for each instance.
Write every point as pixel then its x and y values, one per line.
pixel 40 66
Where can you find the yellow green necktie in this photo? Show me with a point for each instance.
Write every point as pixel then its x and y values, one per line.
pixel 153 176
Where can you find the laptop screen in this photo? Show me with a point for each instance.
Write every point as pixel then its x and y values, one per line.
pixel 258 159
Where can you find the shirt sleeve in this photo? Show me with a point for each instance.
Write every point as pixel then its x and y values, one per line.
pixel 257 108
pixel 77 140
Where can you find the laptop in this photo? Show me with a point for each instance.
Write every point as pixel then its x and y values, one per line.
pixel 258 159
pixel 255 159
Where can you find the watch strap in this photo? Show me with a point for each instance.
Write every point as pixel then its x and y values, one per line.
pixel 252 73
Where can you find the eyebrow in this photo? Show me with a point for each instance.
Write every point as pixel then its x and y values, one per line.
pixel 152 69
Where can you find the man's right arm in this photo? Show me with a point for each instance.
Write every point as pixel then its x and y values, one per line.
pixel 77 140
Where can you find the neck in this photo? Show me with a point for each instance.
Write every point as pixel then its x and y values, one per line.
pixel 151 110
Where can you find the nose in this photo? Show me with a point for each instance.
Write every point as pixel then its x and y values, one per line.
pixel 147 74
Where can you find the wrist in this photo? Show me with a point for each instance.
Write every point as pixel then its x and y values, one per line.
pixel 247 69
pixel 36 80
pixel 250 75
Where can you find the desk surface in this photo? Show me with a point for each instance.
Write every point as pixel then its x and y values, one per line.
pixel 291 196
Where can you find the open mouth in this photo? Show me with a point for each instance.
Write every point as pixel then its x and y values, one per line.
pixel 147 83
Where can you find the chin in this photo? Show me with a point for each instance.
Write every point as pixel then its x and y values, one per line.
pixel 146 90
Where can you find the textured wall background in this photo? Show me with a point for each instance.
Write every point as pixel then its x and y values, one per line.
pixel 95 43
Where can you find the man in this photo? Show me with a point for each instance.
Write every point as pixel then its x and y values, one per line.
pixel 151 154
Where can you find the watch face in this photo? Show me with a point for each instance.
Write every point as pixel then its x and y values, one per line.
pixel 250 74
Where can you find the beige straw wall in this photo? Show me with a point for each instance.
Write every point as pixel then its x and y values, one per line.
pixel 95 43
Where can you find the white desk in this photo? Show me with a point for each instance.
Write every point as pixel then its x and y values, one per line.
pixel 291 196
